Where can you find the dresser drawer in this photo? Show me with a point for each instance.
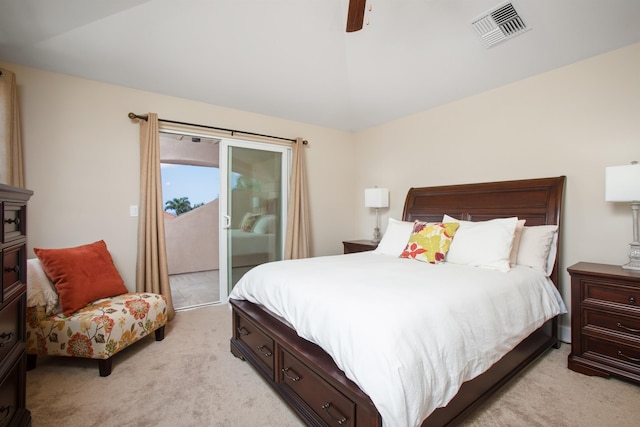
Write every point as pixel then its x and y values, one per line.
pixel 625 297
pixel 258 342
pixel 327 402
pixel 10 327
pixel 13 221
pixel 628 325
pixel 13 274
pixel 9 398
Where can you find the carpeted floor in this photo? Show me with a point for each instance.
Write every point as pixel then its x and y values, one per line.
pixel 191 379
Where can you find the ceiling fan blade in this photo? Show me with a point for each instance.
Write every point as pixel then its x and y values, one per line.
pixel 355 16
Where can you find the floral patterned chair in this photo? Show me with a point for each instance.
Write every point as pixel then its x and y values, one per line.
pixel 99 330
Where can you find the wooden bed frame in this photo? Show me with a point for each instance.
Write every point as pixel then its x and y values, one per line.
pixel 318 391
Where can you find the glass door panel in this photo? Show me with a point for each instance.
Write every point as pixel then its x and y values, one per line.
pixel 254 206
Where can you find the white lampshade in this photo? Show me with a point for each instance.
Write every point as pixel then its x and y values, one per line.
pixel 376 197
pixel 622 183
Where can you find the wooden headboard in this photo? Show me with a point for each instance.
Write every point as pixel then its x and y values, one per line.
pixel 538 201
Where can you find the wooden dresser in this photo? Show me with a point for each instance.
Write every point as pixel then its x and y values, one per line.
pixel 605 321
pixel 13 356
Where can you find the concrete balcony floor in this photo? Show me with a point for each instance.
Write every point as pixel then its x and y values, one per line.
pixel 190 290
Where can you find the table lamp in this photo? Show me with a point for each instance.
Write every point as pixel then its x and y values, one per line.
pixel 622 184
pixel 376 198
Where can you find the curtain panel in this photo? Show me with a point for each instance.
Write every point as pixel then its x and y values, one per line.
pixel 11 158
pixel 297 241
pixel 152 269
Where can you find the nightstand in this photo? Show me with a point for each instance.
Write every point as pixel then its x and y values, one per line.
pixel 353 246
pixel 605 321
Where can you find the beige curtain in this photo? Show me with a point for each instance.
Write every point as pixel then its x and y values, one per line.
pixel 297 239
pixel 11 163
pixel 152 271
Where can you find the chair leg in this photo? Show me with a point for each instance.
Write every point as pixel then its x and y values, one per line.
pixel 31 361
pixel 105 366
pixel 160 333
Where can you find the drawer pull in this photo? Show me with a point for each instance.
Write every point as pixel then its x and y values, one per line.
pixel 629 358
pixel 6 337
pixel 294 378
pixel 264 350
pixel 7 409
pixel 15 269
pixel 632 300
pixel 340 419
pixel 15 221
pixel 621 326
pixel 243 331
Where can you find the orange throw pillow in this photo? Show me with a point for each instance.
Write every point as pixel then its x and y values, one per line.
pixel 82 274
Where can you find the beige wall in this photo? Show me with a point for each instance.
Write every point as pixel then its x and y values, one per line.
pixel 82 162
pixel 82 155
pixel 573 121
pixel 192 239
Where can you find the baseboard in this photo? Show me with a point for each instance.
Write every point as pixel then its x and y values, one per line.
pixel 565 334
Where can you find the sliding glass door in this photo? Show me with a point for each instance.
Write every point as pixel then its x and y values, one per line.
pixel 253 201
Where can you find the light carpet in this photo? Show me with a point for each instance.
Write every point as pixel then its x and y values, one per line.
pixel 192 379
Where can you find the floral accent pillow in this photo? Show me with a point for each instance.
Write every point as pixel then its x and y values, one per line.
pixel 430 241
pixel 248 221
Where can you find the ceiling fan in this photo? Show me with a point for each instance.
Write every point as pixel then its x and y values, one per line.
pixel 355 16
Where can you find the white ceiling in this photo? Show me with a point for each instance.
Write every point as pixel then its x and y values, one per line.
pixel 293 58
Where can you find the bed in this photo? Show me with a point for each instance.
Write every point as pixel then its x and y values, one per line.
pixel 314 383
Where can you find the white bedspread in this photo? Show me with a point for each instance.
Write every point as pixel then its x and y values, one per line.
pixel 407 332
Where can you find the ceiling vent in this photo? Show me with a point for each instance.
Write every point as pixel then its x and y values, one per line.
pixel 498 25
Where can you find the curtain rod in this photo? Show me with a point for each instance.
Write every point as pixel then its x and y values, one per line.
pixel 232 131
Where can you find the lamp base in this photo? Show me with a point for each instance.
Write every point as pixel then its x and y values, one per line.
pixel 376 235
pixel 634 257
pixel 632 266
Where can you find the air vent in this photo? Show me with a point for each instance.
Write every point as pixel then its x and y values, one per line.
pixel 498 25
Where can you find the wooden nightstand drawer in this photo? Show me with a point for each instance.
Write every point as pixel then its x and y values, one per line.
pixel 618 355
pixel 612 323
pixel 606 294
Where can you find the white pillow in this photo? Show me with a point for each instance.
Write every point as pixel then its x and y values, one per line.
pixel 538 248
pixel 40 289
pixel 266 224
pixel 395 237
pixel 484 244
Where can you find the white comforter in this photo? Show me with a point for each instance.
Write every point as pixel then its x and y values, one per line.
pixel 407 332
